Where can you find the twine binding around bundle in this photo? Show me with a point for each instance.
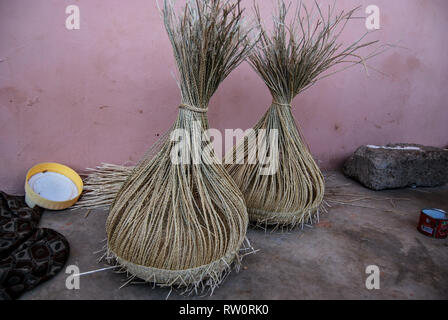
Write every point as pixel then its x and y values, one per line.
pixel 192 108
pixel 281 104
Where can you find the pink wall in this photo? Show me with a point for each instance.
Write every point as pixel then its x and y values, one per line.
pixel 103 93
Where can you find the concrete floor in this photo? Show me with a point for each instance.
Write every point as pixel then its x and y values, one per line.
pixel 327 261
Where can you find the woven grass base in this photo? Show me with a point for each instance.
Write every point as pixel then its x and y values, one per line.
pixel 290 220
pixel 200 280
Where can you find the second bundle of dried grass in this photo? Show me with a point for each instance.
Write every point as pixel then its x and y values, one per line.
pixel 289 60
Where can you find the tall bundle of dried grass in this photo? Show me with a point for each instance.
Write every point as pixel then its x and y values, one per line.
pixel 183 224
pixel 289 60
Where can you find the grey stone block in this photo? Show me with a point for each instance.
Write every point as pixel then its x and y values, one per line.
pixel 398 166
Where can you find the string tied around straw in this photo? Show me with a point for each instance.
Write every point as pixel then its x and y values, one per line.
pixel 282 104
pixel 192 108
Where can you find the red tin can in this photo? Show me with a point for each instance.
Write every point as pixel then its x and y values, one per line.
pixel 433 223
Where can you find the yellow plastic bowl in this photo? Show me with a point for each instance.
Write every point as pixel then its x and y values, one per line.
pixel 32 198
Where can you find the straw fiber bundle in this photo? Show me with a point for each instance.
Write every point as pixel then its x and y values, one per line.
pixel 183 224
pixel 289 60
